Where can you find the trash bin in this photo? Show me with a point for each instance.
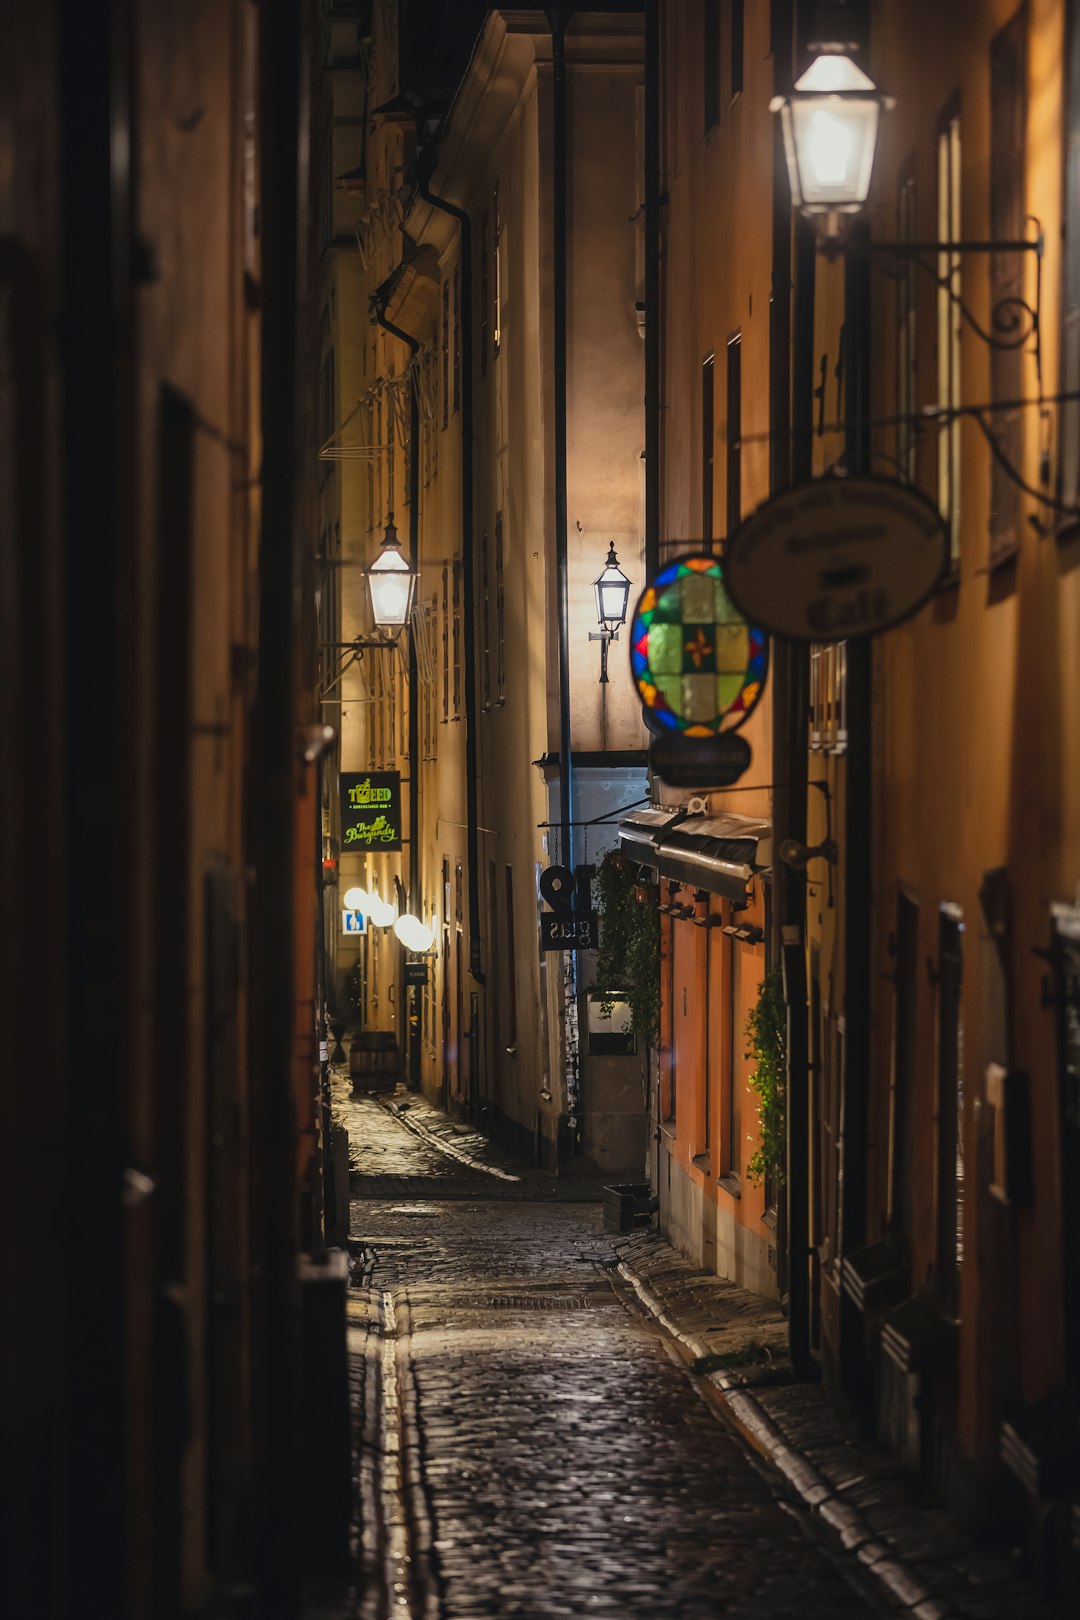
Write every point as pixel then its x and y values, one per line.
pixel 374 1060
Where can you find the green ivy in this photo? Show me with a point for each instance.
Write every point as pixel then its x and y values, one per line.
pixel 629 957
pixel 766 1031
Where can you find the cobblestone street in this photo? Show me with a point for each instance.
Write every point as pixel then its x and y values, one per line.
pixel 547 1451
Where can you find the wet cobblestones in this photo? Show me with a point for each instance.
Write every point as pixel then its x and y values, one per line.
pixel 570 1463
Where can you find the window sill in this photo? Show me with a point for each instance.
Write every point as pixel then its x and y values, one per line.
pixel 667 1126
pixel 701 1161
pixel 768 1220
pixel 732 1185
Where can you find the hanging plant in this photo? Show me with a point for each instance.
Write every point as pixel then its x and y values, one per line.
pixel 766 1031
pixel 629 957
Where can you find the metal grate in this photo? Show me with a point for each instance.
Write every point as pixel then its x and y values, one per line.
pixel 531 1302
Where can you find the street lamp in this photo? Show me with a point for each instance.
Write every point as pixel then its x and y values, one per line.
pixel 414 934
pixel 391 582
pixel 355 899
pixel 379 912
pixel 830 125
pixel 612 595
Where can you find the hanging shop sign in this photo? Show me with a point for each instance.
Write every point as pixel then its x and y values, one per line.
pixel 571 924
pixel 416 973
pixel 699 666
pixel 370 810
pixel 837 558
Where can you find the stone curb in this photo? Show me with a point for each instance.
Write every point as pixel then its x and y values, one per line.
pixel 758 1430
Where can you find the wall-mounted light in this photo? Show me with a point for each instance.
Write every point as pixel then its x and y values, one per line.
pixel 612 596
pixel 391 583
pixel 830 126
pixel 414 934
pixel 355 899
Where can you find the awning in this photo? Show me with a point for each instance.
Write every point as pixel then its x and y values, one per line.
pixel 639 830
pixel 717 853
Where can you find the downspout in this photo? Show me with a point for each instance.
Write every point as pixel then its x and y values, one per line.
pixel 472 839
pixel 857 873
pixel 411 1025
pixel 557 21
pixel 791 424
pixel 652 288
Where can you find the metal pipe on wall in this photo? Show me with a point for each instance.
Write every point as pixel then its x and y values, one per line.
pixel 468 571
pixel 414 695
pixel 272 810
pixel 652 288
pixel 557 21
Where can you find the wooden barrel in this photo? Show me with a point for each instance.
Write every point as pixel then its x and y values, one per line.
pixel 374 1060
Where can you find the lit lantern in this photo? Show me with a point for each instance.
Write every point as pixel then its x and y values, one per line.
pixel 379 912
pixel 830 124
pixel 612 594
pixel 414 934
pixel 355 899
pixel 391 582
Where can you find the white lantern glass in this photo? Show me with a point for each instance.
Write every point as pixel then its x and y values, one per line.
pixel 612 593
pixel 414 934
pixel 391 583
pixel 379 912
pixel 830 127
pixel 355 899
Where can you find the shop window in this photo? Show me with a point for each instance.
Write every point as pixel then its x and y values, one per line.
pixel 485 622
pixel 906 335
pixel 708 428
pixel 731 1135
pixel 710 58
pixel 456 704
pixel 734 432
pixel 445 642
pixel 950 1108
pixel 828 697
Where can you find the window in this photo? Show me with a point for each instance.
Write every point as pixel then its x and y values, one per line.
pixel 484 250
pixel 906 334
pixel 707 431
pixel 496 275
pixel 828 697
pixel 948 324
pixel 457 338
pixel 500 612
pixel 485 621
pixel 328 401
pixel 456 707
pixel 445 642
pixel 904 1058
pixel 1069 470
pixel 734 433
pixel 1008 128
pixel 950 1108
pixel 710 56
pixel 511 962
pixel 731 1145
pixel 445 352
pixel 735 18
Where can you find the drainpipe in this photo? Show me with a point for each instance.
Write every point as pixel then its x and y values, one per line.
pixel 472 840
pixel 791 423
pixel 557 21
pixel 857 875
pixel 652 289
pixel 412 1026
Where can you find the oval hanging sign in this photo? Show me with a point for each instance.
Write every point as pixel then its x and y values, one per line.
pixel 837 558
pixel 698 666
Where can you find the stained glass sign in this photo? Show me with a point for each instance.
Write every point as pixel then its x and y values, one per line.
pixel 699 667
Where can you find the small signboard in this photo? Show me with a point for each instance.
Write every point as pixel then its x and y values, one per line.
pixel 569 933
pixel 416 973
pixel 370 810
pixel 700 762
pixel 353 922
pixel 837 558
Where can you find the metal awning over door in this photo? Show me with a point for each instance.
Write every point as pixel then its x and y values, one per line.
pixel 717 853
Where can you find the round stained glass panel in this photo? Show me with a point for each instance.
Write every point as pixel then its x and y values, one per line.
pixel 699 667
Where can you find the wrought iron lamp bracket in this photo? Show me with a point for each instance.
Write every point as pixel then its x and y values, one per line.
pixel 1014 322
pixel 604 637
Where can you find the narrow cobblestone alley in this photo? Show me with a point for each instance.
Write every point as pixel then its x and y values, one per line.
pixel 547 1452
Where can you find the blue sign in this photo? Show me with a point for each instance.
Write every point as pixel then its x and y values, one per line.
pixel 353 922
